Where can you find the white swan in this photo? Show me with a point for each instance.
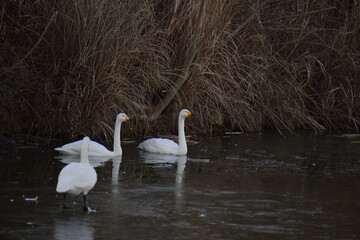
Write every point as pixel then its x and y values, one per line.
pixel 95 148
pixel 78 177
pixel 167 146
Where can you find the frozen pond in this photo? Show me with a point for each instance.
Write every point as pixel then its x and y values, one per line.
pixel 250 186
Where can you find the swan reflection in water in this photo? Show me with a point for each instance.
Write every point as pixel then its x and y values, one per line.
pixel 94 161
pixel 116 162
pixel 181 163
pixel 73 228
pixel 159 160
pixel 115 169
pixel 167 160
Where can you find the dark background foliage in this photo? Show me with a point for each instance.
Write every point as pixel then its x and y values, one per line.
pixel 68 67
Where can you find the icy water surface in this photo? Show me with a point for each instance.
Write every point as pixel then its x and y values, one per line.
pixel 251 186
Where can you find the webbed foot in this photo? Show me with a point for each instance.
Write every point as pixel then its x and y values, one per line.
pixel 89 209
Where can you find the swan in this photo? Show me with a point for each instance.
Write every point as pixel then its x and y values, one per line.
pixel 78 177
pixel 167 146
pixel 95 148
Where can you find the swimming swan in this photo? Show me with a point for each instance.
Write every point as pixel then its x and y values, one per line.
pixel 95 148
pixel 167 146
pixel 78 177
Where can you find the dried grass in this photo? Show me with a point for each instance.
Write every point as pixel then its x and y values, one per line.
pixel 68 67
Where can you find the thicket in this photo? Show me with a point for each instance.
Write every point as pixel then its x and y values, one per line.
pixel 67 67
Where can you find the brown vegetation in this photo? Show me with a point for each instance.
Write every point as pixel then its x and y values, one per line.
pixel 68 67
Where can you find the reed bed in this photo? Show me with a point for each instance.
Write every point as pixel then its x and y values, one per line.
pixel 68 67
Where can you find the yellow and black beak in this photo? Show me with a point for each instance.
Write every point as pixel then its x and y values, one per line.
pixel 188 113
pixel 127 118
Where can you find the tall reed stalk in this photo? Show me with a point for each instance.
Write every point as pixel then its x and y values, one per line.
pixel 68 67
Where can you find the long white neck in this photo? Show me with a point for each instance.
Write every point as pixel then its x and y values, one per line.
pixel 182 140
pixel 84 156
pixel 117 141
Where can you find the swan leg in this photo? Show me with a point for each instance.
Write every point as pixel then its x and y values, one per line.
pixel 86 208
pixel 64 202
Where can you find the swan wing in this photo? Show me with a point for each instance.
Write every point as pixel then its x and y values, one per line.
pixel 159 145
pixel 66 178
pixel 74 148
pixel 70 148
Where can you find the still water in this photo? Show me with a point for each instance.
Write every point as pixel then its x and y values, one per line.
pixel 250 186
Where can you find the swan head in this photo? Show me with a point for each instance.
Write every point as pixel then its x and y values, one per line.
pixel 185 113
pixel 122 117
pixel 86 140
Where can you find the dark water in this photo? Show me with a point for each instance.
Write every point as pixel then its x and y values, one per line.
pixel 233 187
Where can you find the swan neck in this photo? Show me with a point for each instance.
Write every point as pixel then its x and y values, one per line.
pixel 84 155
pixel 117 140
pixel 182 140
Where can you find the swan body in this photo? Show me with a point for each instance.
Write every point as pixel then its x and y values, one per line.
pixel 95 148
pixel 167 146
pixel 78 177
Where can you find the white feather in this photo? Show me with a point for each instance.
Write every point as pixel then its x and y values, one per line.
pixel 159 145
pixel 95 148
pixel 167 146
pixel 77 177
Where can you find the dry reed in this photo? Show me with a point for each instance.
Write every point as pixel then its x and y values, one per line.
pixel 68 67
